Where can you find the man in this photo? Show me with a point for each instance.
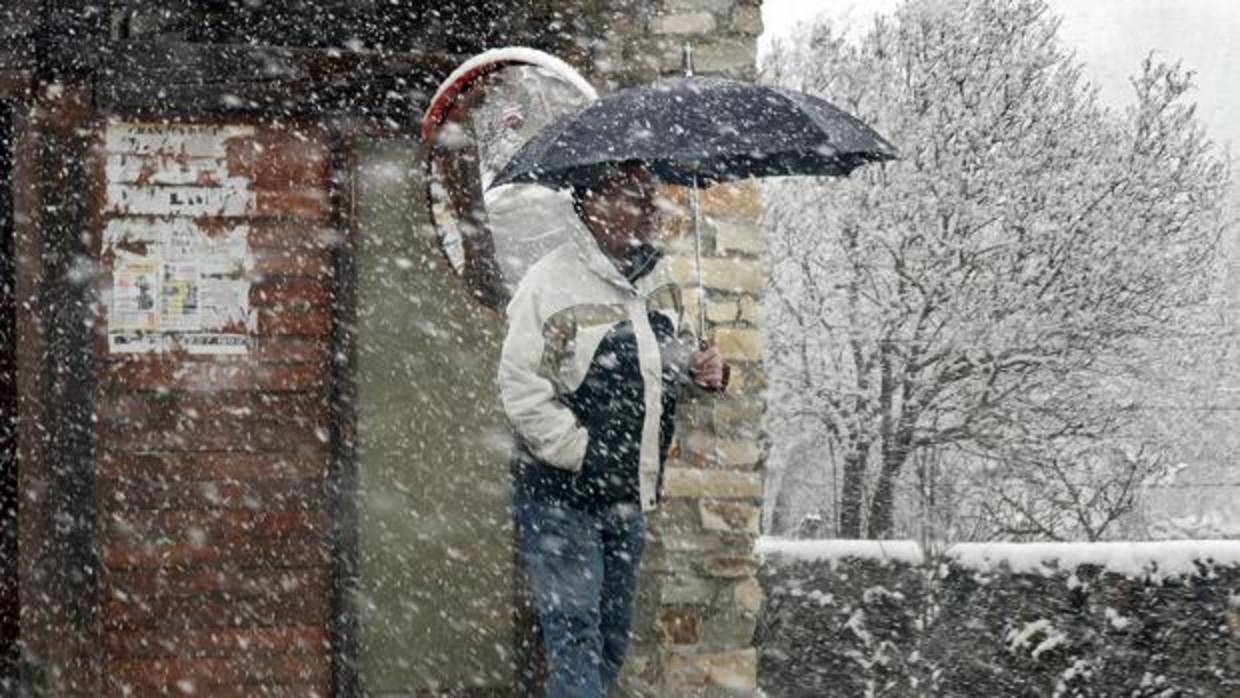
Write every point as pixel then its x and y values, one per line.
pixel 595 359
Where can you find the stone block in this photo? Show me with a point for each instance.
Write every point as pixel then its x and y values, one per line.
pixel 747 379
pixel 738 416
pixel 729 627
pixel 680 625
pixel 685 23
pixel 705 447
pixel 721 308
pixel 717 484
pixel 736 275
pixel 742 200
pixel 735 670
pixel 742 235
pixel 739 344
pixel 738 453
pixel 733 275
pixel 678 516
pixel 689 589
pixel 734 57
pixel 669 563
pixel 730 516
pixel 750 310
pixel 748 595
pixel 731 565
pixel 747 19
pixel 720 7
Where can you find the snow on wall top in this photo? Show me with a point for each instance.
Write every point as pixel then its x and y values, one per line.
pixel 1157 560
pixel 831 550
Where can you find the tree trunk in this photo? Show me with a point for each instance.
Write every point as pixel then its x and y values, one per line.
pixel 854 487
pixel 882 508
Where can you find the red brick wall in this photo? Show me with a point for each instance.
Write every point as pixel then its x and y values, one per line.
pixel 213 499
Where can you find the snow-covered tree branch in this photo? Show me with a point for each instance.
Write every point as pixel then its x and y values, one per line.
pixel 1000 295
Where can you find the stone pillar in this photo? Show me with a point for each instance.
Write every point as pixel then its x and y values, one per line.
pixel 699 597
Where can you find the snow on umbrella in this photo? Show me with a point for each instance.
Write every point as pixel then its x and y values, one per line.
pixel 696 131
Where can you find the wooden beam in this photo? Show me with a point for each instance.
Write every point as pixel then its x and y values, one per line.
pixel 343 473
pixel 71 38
pixel 9 607
pixel 55 204
pixel 31 399
pixel 180 77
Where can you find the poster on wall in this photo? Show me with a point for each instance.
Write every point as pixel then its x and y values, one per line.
pixel 172 293
pixel 176 239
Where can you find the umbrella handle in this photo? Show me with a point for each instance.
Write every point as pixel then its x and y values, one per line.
pixel 703 345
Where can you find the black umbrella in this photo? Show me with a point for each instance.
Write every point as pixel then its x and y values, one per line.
pixel 694 131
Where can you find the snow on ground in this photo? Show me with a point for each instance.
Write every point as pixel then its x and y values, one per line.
pixel 1157 560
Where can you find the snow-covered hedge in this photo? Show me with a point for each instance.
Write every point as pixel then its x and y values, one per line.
pixel 859 618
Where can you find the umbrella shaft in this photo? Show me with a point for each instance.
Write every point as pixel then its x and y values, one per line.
pixel 697 255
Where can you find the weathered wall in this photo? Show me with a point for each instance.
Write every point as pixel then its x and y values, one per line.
pixel 200 485
pixel 1131 620
pixel 699 593
pixel 213 502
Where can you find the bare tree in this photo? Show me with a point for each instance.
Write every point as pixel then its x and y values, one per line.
pixel 994 294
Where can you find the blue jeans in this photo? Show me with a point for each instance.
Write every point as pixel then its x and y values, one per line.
pixel 582 570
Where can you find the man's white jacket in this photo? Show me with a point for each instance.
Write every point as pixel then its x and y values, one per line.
pixel 591 368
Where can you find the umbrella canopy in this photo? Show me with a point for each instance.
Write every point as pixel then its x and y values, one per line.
pixel 697 131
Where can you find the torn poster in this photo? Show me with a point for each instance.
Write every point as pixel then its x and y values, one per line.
pixel 176 239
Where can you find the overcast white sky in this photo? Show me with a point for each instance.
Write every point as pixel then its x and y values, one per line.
pixel 1111 37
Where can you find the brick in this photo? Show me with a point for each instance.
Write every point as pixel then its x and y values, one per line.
pixel 310 203
pixel 687 23
pixel 216 676
pixel 314 322
pixel 265 553
pixel 190 467
pixel 217 642
pixel 133 494
pixel 719 484
pixel 292 294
